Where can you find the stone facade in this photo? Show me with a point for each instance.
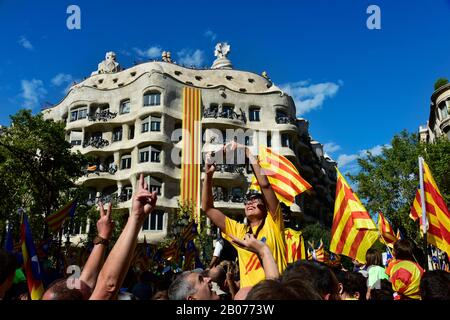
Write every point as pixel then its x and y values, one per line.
pixel 439 120
pixel 126 119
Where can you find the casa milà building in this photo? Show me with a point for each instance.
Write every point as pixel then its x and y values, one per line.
pixel 126 119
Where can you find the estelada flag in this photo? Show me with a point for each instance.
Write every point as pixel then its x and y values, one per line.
pixel 55 220
pixel 283 176
pixel 30 261
pixel 353 231
pixel 437 213
pixel 386 232
pixel 295 245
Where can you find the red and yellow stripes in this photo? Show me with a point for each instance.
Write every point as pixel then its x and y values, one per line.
pixel 56 220
pixel 283 176
pixel 386 232
pixel 405 278
pixel 191 152
pixel 438 216
pixel 317 254
pixel 295 245
pixel 353 231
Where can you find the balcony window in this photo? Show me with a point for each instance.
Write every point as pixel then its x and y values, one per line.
pixel 117 134
pixel 125 162
pixel 152 99
pixel 285 140
pixel 74 115
pixel 145 126
pixel 78 114
pixel 144 155
pixel 269 140
pixel 126 194
pixel 149 153
pixel 254 114
pixel 155 124
pixel 155 155
pixel 227 111
pixel 76 138
pixel 444 110
pixel 131 133
pixel 125 107
pixel 154 184
pixel 154 222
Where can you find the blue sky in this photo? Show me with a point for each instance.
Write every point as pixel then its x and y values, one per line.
pixel 357 87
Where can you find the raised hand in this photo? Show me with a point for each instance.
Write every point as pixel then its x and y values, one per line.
pixel 210 164
pixel 249 243
pixel 105 225
pixel 143 201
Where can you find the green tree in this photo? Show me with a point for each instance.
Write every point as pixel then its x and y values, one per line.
pixel 37 169
pixel 388 182
pixel 440 82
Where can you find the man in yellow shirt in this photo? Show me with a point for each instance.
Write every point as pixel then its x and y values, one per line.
pixel 264 221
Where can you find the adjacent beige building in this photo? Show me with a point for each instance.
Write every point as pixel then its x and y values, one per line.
pixel 128 118
pixel 438 123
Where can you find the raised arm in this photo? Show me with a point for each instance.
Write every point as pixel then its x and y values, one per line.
pixel 266 188
pixel 105 227
pixel 250 243
pixel 216 216
pixel 118 262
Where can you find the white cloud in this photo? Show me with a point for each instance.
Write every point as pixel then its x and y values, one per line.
pixel 331 147
pixel 64 79
pixel 210 34
pixel 309 96
pixel 24 42
pixel 61 78
pixel 32 92
pixel 347 162
pixel 150 53
pixel 191 58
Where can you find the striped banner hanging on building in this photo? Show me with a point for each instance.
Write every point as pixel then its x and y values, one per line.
pixel 191 152
pixel 353 231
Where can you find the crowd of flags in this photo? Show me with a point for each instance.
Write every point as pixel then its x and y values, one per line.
pixel 353 230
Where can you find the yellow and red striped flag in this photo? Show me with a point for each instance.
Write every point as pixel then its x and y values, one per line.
pixel 353 231
pixel 317 254
pixel 283 176
pixel 56 220
pixel 295 245
pixel 405 277
pixel 191 152
pixel 437 213
pixel 386 232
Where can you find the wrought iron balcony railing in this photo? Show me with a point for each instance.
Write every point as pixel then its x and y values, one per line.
pixel 227 114
pixel 285 120
pixel 103 115
pixel 97 169
pixel 231 168
pixel 96 142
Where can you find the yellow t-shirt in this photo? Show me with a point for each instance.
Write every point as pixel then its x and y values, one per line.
pixel 250 268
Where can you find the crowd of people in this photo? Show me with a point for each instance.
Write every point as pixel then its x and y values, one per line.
pixel 261 271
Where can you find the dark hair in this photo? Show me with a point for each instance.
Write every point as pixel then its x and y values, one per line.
pixel 292 289
pixel 320 277
pixel 403 250
pixel 8 265
pixel 385 292
pixel 354 282
pixel 373 258
pixel 435 285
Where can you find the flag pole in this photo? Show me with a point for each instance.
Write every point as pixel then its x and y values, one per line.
pixel 424 222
